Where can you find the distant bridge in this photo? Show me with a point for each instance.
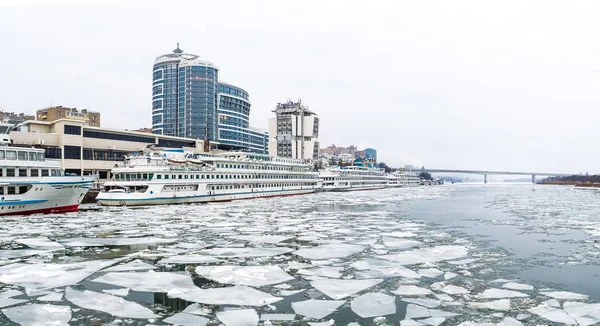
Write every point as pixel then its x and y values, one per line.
pixel 486 173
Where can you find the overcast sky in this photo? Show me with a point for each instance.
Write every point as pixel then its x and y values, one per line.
pixel 505 85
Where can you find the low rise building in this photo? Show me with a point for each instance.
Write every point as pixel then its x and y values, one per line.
pixel 54 113
pixel 14 118
pixel 85 149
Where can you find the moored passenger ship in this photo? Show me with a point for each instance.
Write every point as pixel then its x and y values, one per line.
pixel 403 179
pixel 30 184
pixel 155 179
pixel 351 178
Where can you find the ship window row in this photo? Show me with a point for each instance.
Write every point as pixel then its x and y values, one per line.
pixel 215 176
pixel 134 176
pixel 257 185
pixel 21 155
pixel 258 167
pixel 14 190
pixel 29 172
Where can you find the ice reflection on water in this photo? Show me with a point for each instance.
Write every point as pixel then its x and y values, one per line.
pixel 357 248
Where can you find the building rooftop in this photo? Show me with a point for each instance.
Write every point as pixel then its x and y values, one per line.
pixel 291 106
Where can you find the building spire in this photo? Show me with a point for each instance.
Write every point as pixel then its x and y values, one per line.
pixel 178 50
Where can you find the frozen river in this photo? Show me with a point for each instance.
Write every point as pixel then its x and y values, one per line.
pixel 444 255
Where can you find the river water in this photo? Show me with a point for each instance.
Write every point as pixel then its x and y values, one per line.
pixel 500 254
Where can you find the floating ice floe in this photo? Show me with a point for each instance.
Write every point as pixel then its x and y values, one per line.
pixel 6 299
pixel 272 239
pixel 40 243
pixel 339 289
pixel 449 275
pixel 427 303
pixel 410 322
pixel 242 317
pixel 500 294
pixel 136 265
pixel 502 305
pixel 39 315
pixel 189 259
pixel 584 313
pixel 324 271
pixel 433 321
pixel 373 304
pixel 246 252
pixel 553 314
pixel 108 303
pixel 47 276
pixel 518 286
pixel 290 292
pixel 400 234
pixel 323 323
pixel 454 290
pixel 509 321
pixel 244 275
pixel 316 308
pixel 118 292
pixel 428 255
pixel 278 317
pixel 398 271
pixel 564 295
pixel 463 261
pixel 411 290
pixel 101 242
pixel 150 281
pixel 415 311
pixel 196 309
pixel 394 243
pixel 332 250
pixel 21 253
pixel 52 297
pixel 235 296
pixel 185 319
pixel 430 272
pixel 371 263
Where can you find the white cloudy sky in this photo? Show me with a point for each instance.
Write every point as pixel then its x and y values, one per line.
pixel 507 85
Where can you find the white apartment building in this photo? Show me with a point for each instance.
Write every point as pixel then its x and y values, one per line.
pixel 294 132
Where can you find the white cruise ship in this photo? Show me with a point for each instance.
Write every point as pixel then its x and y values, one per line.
pixel 403 179
pixel 350 178
pixel 30 184
pixel 155 179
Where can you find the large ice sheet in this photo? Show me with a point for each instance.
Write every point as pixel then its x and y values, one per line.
pixel 108 303
pixel 150 281
pixel 189 259
pixel 454 289
pixel 411 290
pixel 332 250
pixel 502 305
pixel 242 317
pixel 47 276
pixel 185 319
pixel 373 304
pixel 518 286
pixel 7 302
pixel 244 275
pixel 40 243
pixel 316 308
pixel 500 294
pixel 428 255
pixel 553 314
pixel 324 271
pixel 39 315
pixel 246 252
pixel 565 295
pixel 235 296
pixel 371 263
pixel 136 265
pixel 584 313
pixel 339 289
pixel 101 242
pixel 20 253
pixel 394 243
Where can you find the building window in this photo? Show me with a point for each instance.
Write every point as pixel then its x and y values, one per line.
pixel 122 137
pixel 72 130
pixel 72 152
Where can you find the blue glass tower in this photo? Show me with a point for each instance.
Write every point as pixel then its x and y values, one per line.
pixel 184 96
pixel 234 131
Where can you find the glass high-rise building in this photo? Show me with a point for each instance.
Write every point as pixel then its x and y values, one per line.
pixel 233 123
pixel 188 101
pixel 184 96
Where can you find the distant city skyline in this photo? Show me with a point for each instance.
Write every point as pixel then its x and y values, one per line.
pixel 461 84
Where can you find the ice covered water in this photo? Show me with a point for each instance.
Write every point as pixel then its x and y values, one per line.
pixel 423 256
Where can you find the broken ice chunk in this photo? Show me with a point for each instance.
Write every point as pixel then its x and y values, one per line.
pixel 430 272
pixel 433 321
pixel 584 313
pixel 565 295
pixel 150 281
pixel 553 314
pixel 316 308
pixel 400 243
pixel 189 259
pixel 118 292
pixel 196 309
pixel 244 275
pixel 40 243
pixel 373 304
pixel 500 294
pixel 502 304
pixel 272 239
pixel 136 265
pixel 415 311
pixel 332 250
pixel 242 317
pixel 324 271
pixel 56 296
pixel 411 290
pixel 278 317
pixel 246 252
pixel 7 302
pixel 454 290
pixel 20 253
pixel 398 271
pixel 101 242
pixel 428 303
pixel 292 292
pixel 185 319
pixel 339 289
pixel 39 314
pixel 428 255
pixel 108 303
pixel 370 263
pixel 517 286
pixel 235 296
pixel 410 322
pixel 509 321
